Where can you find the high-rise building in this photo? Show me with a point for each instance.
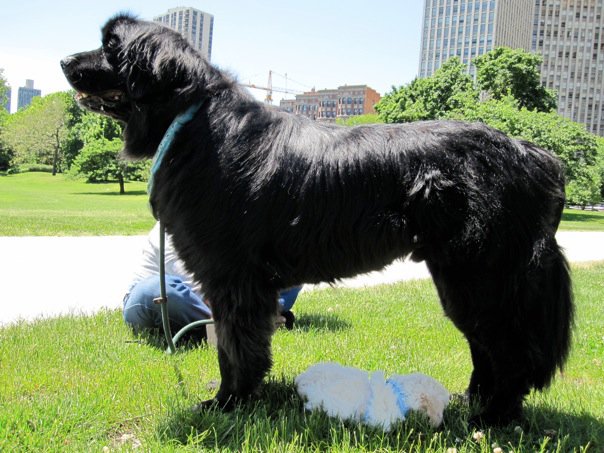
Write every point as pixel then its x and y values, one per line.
pixel 193 24
pixel 8 95
pixel 26 94
pixel 328 105
pixel 569 34
pixel 468 28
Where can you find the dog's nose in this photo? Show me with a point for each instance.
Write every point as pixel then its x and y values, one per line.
pixel 65 62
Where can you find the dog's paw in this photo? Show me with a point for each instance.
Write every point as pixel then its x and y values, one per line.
pixel 214 404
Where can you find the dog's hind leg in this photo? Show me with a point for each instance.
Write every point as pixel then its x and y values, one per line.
pixel 517 322
pixel 482 381
pixel 472 301
pixel 245 322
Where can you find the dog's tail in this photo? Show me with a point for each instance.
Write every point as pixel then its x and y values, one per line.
pixel 550 308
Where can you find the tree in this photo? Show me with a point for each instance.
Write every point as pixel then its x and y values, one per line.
pixel 601 164
pixel 38 133
pixel 3 90
pixel 6 153
pixel 100 161
pixel 448 89
pixel 504 71
pixel 87 128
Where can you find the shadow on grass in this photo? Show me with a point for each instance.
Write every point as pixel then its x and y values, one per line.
pixel 329 322
pixel 213 428
pixel 115 193
pixel 156 339
pixel 275 418
pixel 582 216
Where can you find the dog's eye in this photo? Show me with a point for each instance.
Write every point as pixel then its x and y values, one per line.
pixel 111 44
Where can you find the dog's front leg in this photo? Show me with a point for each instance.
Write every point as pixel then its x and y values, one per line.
pixel 245 322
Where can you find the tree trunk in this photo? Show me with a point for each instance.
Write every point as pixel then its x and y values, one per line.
pixel 55 156
pixel 120 179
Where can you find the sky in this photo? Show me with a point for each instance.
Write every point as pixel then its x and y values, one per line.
pixel 316 43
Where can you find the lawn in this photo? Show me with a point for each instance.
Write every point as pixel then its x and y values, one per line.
pixel 577 220
pixel 38 204
pixel 86 384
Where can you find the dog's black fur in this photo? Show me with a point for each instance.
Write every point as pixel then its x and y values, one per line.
pixel 257 200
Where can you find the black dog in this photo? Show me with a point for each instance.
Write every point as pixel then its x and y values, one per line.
pixel 258 200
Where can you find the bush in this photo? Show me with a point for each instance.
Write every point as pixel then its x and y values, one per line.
pixel 24 168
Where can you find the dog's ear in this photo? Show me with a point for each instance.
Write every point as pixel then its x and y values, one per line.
pixel 141 83
pixel 155 68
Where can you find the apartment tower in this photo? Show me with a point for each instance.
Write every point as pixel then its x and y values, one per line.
pixel 569 34
pixel 193 24
pixel 468 28
pixel 26 94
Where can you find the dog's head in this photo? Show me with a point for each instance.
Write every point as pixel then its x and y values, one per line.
pixel 140 64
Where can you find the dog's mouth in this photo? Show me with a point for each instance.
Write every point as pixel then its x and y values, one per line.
pixel 113 103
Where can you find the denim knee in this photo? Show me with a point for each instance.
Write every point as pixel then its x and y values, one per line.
pixel 184 305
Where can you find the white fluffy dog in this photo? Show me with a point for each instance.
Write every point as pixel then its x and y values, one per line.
pixel 352 394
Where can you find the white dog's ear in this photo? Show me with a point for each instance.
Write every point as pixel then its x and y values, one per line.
pixel 432 408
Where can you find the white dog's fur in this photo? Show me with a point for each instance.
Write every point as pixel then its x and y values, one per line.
pixel 352 394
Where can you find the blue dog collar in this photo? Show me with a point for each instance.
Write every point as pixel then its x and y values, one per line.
pixel 180 120
pixel 400 396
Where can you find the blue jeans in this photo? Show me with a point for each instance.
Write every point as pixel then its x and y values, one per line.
pixel 184 305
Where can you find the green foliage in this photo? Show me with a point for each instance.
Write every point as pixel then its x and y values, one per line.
pixel 369 118
pixel 449 88
pixel 3 90
pixel 98 160
pixel 89 127
pixel 41 168
pixel 600 141
pixel 37 134
pixel 504 71
pixel 6 153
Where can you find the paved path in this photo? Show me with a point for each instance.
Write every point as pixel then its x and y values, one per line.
pixel 48 276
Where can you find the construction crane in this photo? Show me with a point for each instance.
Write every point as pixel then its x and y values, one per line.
pixel 269 88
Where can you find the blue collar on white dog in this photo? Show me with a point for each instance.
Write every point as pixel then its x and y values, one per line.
pixel 166 142
pixel 400 396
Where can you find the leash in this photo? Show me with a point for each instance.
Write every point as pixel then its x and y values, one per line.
pixel 177 124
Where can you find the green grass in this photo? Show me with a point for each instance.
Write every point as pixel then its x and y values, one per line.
pixel 39 204
pixel 577 220
pixel 83 383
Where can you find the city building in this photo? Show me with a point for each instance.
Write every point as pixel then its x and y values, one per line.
pixel 331 104
pixel 468 28
pixel 195 25
pixel 8 95
pixel 26 94
pixel 569 34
